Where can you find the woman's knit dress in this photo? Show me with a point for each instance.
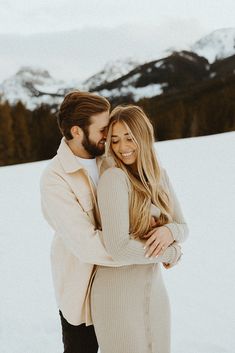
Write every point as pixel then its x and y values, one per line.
pixel 129 304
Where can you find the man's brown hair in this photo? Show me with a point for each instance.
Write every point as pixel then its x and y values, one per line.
pixel 77 109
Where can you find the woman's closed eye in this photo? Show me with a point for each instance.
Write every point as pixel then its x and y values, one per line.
pixel 128 139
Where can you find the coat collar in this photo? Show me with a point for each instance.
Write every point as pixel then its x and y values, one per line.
pixel 67 158
pixel 71 164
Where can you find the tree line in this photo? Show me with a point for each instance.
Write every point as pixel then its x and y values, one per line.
pixel 205 109
pixel 27 136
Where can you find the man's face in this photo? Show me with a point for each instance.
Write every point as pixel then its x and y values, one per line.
pixel 94 140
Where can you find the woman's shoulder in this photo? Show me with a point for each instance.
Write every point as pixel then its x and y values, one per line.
pixel 113 174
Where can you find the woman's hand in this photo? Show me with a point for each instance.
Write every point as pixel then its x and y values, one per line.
pixel 158 240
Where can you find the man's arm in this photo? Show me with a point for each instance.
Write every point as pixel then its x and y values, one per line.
pixel 65 215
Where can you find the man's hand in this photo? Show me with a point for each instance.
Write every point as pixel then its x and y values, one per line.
pixel 158 240
pixel 153 222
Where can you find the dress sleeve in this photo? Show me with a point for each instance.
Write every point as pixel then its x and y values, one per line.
pixel 178 227
pixel 113 201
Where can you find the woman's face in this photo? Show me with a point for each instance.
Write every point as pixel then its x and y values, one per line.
pixel 122 144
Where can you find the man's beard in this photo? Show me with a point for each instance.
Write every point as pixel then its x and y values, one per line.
pixel 91 147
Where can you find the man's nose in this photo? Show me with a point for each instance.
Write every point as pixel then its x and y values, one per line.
pixel 105 133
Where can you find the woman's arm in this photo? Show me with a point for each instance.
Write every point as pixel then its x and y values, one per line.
pixel 178 226
pixel 113 201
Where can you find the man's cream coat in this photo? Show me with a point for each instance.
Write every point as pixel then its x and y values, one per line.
pixel 69 205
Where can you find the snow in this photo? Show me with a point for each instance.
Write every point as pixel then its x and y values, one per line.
pixel 159 64
pixel 16 88
pixel 112 70
pixel 128 87
pixel 148 91
pixel 219 44
pixel 201 288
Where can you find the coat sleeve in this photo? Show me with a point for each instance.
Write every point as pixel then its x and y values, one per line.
pixel 178 227
pixel 113 201
pixel 65 215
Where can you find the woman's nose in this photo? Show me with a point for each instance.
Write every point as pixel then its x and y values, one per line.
pixel 122 146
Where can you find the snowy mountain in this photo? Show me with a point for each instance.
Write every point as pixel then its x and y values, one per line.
pixel 119 79
pixel 201 288
pixel 157 77
pixel 111 71
pixel 33 87
pixel 128 79
pixel 217 45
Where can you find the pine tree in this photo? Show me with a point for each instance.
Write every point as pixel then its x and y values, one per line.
pixel 7 148
pixel 21 125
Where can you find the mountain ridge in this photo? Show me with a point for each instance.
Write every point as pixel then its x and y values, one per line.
pixel 129 78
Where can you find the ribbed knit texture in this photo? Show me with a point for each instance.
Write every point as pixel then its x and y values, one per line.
pixel 129 305
pixel 130 310
pixel 178 227
pixel 113 201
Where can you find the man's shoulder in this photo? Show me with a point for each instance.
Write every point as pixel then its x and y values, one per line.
pixel 52 170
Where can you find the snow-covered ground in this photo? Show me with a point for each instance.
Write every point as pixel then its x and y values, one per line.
pixel 201 288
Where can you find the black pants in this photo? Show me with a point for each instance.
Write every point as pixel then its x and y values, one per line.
pixel 78 339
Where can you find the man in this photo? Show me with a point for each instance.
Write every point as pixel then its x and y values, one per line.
pixel 68 194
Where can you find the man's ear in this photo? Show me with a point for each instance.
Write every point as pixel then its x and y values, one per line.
pixel 76 131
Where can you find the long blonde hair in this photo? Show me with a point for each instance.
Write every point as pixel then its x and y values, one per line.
pixel 146 185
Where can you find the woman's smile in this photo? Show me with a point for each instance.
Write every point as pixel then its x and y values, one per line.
pixel 123 144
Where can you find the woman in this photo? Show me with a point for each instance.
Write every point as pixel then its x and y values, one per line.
pixel 129 305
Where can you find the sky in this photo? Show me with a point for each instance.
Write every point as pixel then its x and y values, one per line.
pixel 31 16
pixel 75 39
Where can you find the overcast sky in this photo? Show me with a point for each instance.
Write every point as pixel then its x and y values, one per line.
pixel 33 16
pixel 77 38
